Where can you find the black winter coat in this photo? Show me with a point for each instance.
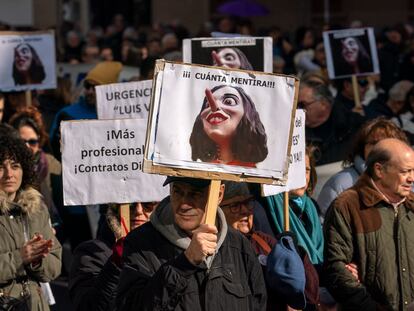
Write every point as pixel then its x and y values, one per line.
pixel 158 276
pixel 93 277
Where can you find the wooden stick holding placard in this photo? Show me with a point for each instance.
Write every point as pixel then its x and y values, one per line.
pixel 212 202
pixel 28 94
pixel 286 210
pixel 355 88
pixel 124 216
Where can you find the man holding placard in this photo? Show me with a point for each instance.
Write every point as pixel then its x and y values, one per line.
pixel 177 262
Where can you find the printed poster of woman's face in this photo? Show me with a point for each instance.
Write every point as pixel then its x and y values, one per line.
pixel 32 62
pixel 245 57
pixel 352 52
pixel 224 123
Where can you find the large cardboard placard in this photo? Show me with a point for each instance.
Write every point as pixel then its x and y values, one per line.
pixel 102 163
pixel 219 123
pixel 248 53
pixel 28 61
pixel 123 100
pixel 297 168
pixel 350 52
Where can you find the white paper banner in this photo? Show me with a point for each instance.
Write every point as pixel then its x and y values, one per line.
pixel 351 52
pixel 28 61
pixel 102 163
pixel 248 132
pixel 124 100
pixel 248 53
pixel 297 168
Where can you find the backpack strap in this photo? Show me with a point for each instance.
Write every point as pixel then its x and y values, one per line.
pixel 263 244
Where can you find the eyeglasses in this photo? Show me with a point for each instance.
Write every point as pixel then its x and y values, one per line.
pixel 235 208
pixel 147 207
pixel 87 85
pixel 303 104
pixel 32 142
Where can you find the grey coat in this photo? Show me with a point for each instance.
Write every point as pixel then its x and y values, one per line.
pixel 338 183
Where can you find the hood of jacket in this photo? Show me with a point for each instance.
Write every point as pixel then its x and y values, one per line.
pixel 163 221
pixel 112 220
pixel 28 200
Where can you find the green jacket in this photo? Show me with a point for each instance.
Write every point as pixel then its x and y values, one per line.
pixel 28 204
pixel 361 227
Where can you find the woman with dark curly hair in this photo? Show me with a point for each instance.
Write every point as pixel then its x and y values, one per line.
pixel 27 66
pixel 228 129
pixel 231 58
pixel 29 123
pixel 29 251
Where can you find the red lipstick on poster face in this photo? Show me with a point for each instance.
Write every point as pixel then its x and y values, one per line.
pixel 216 118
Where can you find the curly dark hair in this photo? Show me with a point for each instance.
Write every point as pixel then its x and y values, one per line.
pixel 15 149
pixel 249 144
pixel 36 70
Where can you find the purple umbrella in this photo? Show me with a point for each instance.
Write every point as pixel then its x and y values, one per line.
pixel 243 8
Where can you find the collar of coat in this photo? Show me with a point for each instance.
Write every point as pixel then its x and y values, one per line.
pixel 28 201
pixel 370 196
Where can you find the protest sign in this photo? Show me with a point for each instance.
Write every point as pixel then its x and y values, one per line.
pixel 28 61
pixel 219 123
pixel 297 168
pixel 123 100
pixel 102 163
pixel 350 52
pixel 248 53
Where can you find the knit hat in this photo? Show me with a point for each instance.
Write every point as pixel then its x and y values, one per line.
pixel 286 273
pixel 105 73
pixel 399 90
pixel 235 192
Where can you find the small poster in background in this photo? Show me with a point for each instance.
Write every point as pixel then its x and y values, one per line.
pixel 102 163
pixel 351 52
pixel 247 53
pixel 297 167
pixel 28 61
pixel 123 100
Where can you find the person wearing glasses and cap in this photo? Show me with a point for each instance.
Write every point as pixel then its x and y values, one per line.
pixel 287 288
pixel 346 98
pixel 176 262
pixel 97 263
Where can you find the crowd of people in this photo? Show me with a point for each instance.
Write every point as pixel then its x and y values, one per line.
pixel 349 246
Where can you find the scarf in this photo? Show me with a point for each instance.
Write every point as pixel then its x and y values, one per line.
pixel 309 234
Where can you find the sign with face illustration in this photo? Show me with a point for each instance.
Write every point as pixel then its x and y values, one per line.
pixel 247 53
pixel 228 123
pixel 28 61
pixel 350 52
